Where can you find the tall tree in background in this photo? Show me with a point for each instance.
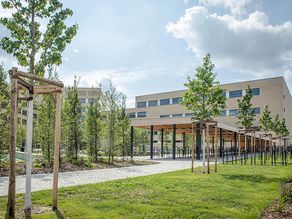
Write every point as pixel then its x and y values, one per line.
pixel 28 41
pixel 266 123
pixel 4 113
pixel 204 97
pixel 93 127
pixel 72 122
pixel 124 125
pixel 112 106
pixel 246 114
pixel 45 125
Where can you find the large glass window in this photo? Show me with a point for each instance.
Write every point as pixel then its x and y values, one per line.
pixel 256 91
pixel 176 115
pixel 164 116
pixel 176 100
pixel 235 93
pixel 256 110
pixel 164 102
pixel 92 100
pixel 233 112
pixel 189 114
pixel 82 100
pixel 224 94
pixel 153 103
pixel 132 115
pixel 141 114
pixel 141 104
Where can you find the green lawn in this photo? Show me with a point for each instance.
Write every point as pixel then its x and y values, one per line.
pixel 235 192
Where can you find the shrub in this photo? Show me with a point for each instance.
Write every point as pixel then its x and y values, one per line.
pixel 286 190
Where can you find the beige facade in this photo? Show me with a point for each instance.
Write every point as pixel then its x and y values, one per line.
pixel 163 108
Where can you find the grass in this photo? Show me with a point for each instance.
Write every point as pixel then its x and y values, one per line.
pixel 236 191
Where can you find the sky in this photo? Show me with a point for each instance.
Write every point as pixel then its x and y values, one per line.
pixel 149 46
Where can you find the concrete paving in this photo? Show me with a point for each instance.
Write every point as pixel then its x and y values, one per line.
pixel 45 181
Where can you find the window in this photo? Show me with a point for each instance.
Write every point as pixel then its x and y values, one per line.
pixel 255 91
pixel 223 113
pixel 224 94
pixel 153 103
pixel 235 93
pixel 92 100
pixel 164 102
pixel 256 110
pixel 189 114
pixel 82 100
pixel 141 104
pixel 177 115
pixel 132 115
pixel 233 112
pixel 164 116
pixel 141 114
pixel 176 100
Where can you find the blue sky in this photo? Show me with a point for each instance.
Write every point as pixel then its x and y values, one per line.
pixel 148 46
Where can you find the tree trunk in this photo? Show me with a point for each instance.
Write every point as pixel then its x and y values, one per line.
pixel 204 151
pixel 208 148
pixel 193 146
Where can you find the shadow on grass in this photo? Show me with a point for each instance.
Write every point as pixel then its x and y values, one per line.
pixel 250 178
pixel 59 214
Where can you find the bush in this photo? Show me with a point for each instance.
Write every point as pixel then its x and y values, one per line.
pixel 286 190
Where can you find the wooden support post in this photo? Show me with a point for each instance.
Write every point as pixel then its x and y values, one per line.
pixel 56 150
pixel 221 142
pixel 216 149
pixel 151 142
pixel 132 142
pixel 208 148
pixel 162 142
pixel 239 146
pixel 12 148
pixel 174 142
pixel 204 150
pixel 193 145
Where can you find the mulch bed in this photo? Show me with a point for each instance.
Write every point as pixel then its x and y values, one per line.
pixel 67 166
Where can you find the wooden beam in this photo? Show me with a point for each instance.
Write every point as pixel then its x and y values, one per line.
pixel 18 73
pixel 12 148
pixel 57 150
pixel 46 89
pixel 216 149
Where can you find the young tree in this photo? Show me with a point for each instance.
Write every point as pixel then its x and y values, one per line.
pixel 111 106
pixel 203 96
pixel 72 122
pixel 93 127
pixel 266 122
pixel 246 114
pixel 4 113
pixel 38 38
pixel 124 125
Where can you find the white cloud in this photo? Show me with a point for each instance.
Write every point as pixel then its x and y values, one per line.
pixel 250 45
pixel 76 51
pixel 235 6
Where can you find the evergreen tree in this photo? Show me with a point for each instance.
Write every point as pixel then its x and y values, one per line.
pixel 4 113
pixel 72 122
pixel 93 127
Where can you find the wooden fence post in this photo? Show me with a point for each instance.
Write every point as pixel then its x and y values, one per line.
pixel 12 148
pixel 56 150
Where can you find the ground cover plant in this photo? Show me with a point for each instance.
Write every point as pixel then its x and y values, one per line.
pixel 237 191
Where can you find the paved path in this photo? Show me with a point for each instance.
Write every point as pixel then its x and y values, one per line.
pixel 45 181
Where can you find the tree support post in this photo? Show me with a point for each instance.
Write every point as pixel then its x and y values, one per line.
pixel 216 149
pixel 12 148
pixel 204 150
pixel 184 144
pixel 208 148
pixel 221 143
pixel 198 141
pixel 132 142
pixel 193 145
pixel 57 150
pixel 162 142
pixel 151 142
pixel 174 142
pixel 235 146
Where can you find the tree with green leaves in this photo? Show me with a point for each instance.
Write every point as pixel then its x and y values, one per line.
pixel 72 122
pixel 266 123
pixel 4 113
pixel 246 114
pixel 140 140
pixel 204 97
pixel 38 37
pixel 124 125
pixel 111 105
pixel 93 127
pixel 280 128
